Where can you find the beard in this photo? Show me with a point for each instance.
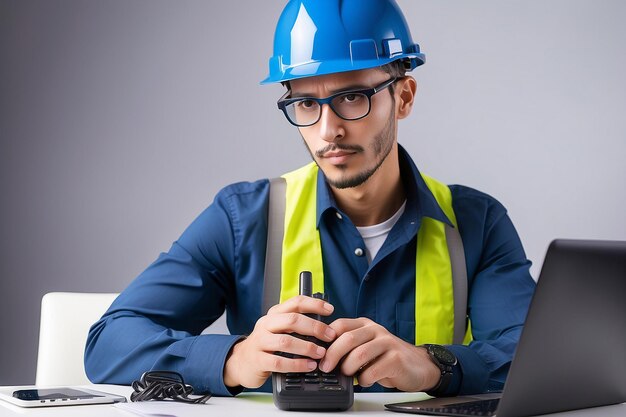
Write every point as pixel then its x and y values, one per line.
pixel 381 146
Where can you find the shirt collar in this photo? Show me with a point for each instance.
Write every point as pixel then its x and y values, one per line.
pixel 420 199
pixel 427 205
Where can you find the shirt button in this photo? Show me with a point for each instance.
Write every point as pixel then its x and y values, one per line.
pixel 358 252
pixel 339 216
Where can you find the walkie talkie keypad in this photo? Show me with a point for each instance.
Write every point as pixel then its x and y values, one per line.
pixel 315 390
pixel 316 380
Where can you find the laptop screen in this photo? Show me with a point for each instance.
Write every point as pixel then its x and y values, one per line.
pixel 572 351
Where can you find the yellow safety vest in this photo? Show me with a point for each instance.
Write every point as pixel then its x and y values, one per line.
pixel 301 250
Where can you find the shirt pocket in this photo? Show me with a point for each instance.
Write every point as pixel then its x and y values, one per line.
pixel 405 322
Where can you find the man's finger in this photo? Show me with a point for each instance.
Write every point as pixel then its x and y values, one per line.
pixel 380 369
pixel 303 304
pixel 362 356
pixel 275 363
pixel 300 324
pixel 290 344
pixel 345 343
pixel 342 326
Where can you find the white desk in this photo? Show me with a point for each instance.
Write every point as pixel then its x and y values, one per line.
pixel 253 405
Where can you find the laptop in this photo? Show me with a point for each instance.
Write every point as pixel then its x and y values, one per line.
pixel 572 351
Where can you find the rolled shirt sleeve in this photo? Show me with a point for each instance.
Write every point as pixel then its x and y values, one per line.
pixel 156 323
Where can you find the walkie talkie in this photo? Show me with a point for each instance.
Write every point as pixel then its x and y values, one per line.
pixel 315 390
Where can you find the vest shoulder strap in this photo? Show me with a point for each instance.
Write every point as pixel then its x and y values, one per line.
pixel 274 246
pixel 459 283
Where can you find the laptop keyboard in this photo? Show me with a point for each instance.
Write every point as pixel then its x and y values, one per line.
pixel 472 408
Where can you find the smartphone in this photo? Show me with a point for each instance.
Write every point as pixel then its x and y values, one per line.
pixel 315 390
pixel 47 397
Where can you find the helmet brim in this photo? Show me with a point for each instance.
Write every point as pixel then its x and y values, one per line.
pixel 317 68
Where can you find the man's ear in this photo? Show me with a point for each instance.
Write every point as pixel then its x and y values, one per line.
pixel 405 96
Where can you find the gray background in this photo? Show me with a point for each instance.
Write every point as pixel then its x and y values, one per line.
pixel 120 120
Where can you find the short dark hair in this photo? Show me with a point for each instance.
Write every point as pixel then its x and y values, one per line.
pixel 396 69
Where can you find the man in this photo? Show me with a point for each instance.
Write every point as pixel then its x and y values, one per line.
pixel 374 231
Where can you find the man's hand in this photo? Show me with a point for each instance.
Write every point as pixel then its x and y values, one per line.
pixel 252 360
pixel 373 354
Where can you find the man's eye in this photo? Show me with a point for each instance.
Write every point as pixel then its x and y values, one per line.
pixel 351 98
pixel 306 104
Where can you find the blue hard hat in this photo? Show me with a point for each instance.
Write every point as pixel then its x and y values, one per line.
pixel 317 37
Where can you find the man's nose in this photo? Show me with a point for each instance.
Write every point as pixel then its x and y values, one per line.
pixel 330 125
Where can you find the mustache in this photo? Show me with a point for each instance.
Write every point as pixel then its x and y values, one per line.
pixel 337 146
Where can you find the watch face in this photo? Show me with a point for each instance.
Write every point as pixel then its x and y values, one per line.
pixel 443 355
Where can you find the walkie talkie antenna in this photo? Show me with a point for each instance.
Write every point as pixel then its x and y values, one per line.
pixel 306 283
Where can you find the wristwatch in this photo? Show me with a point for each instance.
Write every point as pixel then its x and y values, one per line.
pixel 445 360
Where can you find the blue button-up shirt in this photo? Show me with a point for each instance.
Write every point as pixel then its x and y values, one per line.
pixel 217 264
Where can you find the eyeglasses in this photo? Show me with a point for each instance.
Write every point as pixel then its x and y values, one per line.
pixel 349 105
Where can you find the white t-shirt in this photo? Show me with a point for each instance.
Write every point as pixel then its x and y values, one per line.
pixel 374 236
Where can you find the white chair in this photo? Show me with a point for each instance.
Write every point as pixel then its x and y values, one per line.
pixel 65 321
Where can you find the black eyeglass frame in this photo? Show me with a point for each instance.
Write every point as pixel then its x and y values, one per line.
pixel 285 101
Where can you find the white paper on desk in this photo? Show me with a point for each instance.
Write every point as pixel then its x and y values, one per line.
pixel 150 408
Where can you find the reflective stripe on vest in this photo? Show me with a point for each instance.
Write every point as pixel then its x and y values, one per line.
pixel 301 250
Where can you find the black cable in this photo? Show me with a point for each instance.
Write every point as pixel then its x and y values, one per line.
pixel 164 385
